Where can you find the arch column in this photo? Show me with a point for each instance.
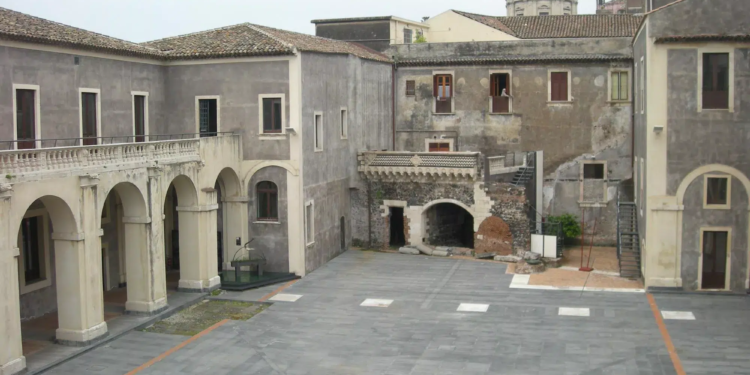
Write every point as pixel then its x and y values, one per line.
pixel 146 295
pixel 198 243
pixel 235 225
pixel 78 266
pixel 12 360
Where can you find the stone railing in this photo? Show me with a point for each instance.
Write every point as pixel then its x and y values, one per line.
pixel 396 164
pixel 92 157
pixel 508 163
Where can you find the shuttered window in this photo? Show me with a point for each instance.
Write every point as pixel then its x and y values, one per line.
pixel 443 92
pixel 272 115
pixel 439 147
pixel 89 118
pixel 411 88
pixel 139 116
pixel 559 86
pixel 500 91
pixel 716 80
pixel 25 119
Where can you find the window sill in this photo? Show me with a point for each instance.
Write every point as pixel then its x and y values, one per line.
pixel 272 137
pixel 443 114
pixel 502 114
pixel 267 222
pixel 619 102
pixel 716 110
pixel 717 207
pixel 592 204
pixel 318 150
pixel 39 284
pixel 565 103
pixel 310 244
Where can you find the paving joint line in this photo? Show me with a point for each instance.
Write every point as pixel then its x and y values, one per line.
pixel 440 286
pixel 665 336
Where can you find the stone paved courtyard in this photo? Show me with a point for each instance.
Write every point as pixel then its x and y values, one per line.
pixel 415 328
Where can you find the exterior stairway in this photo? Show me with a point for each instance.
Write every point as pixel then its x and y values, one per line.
pixel 526 172
pixel 628 240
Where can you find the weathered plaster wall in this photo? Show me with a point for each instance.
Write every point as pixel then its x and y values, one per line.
pixel 373 34
pixel 270 237
pixel 330 83
pixel 640 127
pixel 699 17
pixel 723 135
pixel 59 79
pixel 238 85
pixel 450 26
pixel 696 217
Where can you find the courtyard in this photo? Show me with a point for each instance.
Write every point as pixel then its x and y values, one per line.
pixel 380 313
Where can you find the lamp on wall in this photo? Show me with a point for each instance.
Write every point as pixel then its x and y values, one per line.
pixel 658 129
pixel 291 131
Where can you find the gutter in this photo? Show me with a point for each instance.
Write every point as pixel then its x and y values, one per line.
pixel 393 102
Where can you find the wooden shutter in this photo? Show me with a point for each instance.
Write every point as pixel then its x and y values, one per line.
pixel 435 85
pixel 559 86
pixel 25 119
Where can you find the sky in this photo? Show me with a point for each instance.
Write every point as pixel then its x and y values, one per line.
pixel 144 20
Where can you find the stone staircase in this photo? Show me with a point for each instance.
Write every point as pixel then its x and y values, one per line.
pixel 628 240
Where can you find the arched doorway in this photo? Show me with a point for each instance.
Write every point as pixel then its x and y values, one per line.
pixel 448 224
pixel 231 216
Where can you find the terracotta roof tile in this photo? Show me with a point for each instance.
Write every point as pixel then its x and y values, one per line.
pixel 455 61
pixel 578 26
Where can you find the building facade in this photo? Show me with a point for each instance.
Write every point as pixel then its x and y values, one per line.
pixel 377 33
pixel 691 161
pixel 147 166
pixel 521 8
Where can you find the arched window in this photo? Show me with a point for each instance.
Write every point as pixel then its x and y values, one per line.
pixel 268 201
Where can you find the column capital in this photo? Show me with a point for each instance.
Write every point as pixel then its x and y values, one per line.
pixel 155 172
pixel 136 219
pixel 206 208
pixel 89 180
pixel 235 199
pixel 6 190
pixel 74 236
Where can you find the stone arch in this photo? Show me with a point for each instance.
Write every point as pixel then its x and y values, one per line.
pixel 187 194
pixel 229 182
pixel 133 199
pixel 461 232
pixel 453 201
pixel 270 163
pixel 60 201
pixel 231 216
pixel 708 169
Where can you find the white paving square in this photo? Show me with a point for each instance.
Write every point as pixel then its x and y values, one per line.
pixel 574 311
pixel 372 302
pixel 678 315
pixel 473 307
pixel 285 297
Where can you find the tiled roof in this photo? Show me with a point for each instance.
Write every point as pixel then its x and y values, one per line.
pixel 22 27
pixel 232 41
pixel 253 40
pixel 704 38
pixel 578 26
pixel 352 19
pixel 453 61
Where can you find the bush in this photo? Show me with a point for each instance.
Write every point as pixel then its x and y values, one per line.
pixel 570 225
pixel 420 39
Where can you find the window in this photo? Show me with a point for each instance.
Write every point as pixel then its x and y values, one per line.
pixel 272 115
pixel 439 147
pixel 32 251
pixel 407 36
pixel 411 88
pixel 642 86
pixel 26 116
pixel 619 83
pixel 443 93
pixel 559 86
pixel 90 112
pixel 500 92
pixel 268 201
pixel 593 171
pixel 140 116
pixel 544 13
pixel 318 130
pixel 344 123
pixel 715 81
pixel 636 88
pixel 208 117
pixel 714 258
pixel 310 223
pixel 717 192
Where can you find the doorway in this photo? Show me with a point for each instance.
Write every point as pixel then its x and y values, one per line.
pixel 715 251
pixel 397 237
pixel 342 225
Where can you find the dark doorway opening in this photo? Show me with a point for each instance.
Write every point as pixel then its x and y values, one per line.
pixel 342 225
pixel 714 260
pixel 450 225
pixel 397 227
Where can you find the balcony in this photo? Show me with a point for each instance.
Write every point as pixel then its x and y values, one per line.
pixel 396 165
pixel 107 157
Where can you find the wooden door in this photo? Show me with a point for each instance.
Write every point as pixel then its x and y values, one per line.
pixel 715 250
pixel 89 118
pixel 25 119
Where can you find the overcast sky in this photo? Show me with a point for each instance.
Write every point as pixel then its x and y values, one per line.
pixel 143 20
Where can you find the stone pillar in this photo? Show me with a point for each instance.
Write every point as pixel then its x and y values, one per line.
pixel 156 235
pixel 198 246
pixel 12 360
pixel 145 294
pixel 235 225
pixel 78 264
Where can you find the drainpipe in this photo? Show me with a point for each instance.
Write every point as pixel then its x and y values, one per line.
pixel 393 101
pixel 369 213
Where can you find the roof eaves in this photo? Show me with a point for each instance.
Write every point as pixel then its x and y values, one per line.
pixel 152 54
pixel 513 59
pixel 351 19
pixel 703 38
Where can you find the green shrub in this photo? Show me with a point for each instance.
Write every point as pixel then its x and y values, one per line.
pixel 570 226
pixel 420 39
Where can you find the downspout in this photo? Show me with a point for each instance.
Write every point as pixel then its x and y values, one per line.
pixel 393 102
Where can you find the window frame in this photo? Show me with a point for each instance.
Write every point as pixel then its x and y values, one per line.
pixel 728 268
pixel 37 114
pixel 708 206
pixel 414 89
pixel 716 50
pixel 642 80
pixel 510 84
pixel 309 223
pixel 344 123
pixel 629 83
pixel 45 237
pixel 549 86
pixel 261 132
pixel 411 35
pixel 98 92
pixel 452 91
pixel 198 98
pixel 318 147
pixel 449 141
pixel 258 192
pixel 605 180
pixel 133 94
